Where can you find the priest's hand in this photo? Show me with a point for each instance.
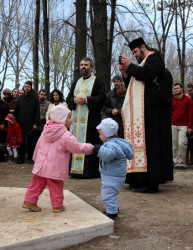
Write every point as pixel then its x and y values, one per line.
pixel 82 100
pixel 115 111
pixel 76 100
pixel 123 66
pixel 126 61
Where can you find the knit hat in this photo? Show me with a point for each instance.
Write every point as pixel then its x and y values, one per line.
pixel 10 118
pixel 108 126
pixel 59 114
pixel 136 43
pixel 7 91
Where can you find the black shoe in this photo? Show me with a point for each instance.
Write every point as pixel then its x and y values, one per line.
pixel 15 160
pixel 111 216
pixel 151 189
pixel 19 161
pixel 30 161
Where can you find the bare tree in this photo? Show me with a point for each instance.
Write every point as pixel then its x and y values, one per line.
pixel 80 33
pixel 61 60
pixel 183 12
pixel 19 38
pixel 36 45
pixel 8 10
pixel 102 39
pixel 189 66
pixel 153 17
pixel 46 47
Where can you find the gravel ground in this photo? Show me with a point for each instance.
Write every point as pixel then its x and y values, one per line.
pixel 146 221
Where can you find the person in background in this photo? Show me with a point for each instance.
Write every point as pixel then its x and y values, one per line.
pixel 27 114
pixel 190 144
pixel 182 121
pixel 56 98
pixel 4 110
pixel 43 109
pixel 86 98
pixel 14 136
pixel 189 92
pixel 21 92
pixel 112 157
pixel 189 89
pixel 15 93
pixel 114 103
pixel 51 156
pixel 8 98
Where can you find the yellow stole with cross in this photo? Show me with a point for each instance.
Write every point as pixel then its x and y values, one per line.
pixel 80 120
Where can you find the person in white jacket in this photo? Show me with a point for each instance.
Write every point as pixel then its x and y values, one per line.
pixel 56 98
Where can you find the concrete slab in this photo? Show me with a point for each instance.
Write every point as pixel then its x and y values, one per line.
pixel 22 229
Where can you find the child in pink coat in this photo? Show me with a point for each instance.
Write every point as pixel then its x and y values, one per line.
pixel 51 156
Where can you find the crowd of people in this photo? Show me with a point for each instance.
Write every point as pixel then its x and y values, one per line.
pixel 136 133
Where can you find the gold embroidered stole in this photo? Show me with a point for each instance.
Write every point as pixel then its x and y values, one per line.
pixel 134 124
pixel 80 120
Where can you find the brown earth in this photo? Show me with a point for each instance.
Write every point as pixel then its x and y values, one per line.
pixel 146 221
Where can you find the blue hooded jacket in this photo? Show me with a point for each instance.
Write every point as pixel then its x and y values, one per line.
pixel 112 156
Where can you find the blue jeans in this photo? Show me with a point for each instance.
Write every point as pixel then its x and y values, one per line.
pixel 111 186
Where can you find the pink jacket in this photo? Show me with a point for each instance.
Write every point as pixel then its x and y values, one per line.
pixel 52 152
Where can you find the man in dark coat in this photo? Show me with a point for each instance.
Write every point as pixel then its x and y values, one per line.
pixel 43 109
pixel 157 115
pixel 86 98
pixel 27 114
pixel 114 103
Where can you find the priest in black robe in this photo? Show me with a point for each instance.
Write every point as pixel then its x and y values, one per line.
pixel 157 115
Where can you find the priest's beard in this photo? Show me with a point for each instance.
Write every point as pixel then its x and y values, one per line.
pixel 85 73
pixel 140 57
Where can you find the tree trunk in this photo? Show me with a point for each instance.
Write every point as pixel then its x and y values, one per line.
pixel 36 45
pixel 110 43
pixel 102 45
pixel 80 30
pixel 182 15
pixel 46 48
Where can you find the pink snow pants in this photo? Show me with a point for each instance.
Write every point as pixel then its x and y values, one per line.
pixel 37 186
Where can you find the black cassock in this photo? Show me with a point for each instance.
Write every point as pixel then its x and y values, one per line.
pixel 158 136
pixel 95 103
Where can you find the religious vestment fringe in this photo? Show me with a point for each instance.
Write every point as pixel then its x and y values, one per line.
pixel 134 123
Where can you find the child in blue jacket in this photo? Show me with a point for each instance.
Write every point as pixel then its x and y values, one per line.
pixel 112 164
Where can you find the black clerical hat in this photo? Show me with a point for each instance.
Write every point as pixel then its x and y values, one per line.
pixel 136 43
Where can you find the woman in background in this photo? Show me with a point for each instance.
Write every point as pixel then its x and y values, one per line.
pixel 56 98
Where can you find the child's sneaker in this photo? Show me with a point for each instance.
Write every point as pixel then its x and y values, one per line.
pixel 11 159
pixel 111 216
pixel 31 207
pixel 58 209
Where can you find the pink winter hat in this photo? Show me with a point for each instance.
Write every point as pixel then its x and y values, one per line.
pixel 59 114
pixel 10 118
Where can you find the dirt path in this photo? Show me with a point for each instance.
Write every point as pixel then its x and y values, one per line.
pixel 146 221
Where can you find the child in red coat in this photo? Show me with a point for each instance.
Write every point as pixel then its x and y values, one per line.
pixel 14 136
